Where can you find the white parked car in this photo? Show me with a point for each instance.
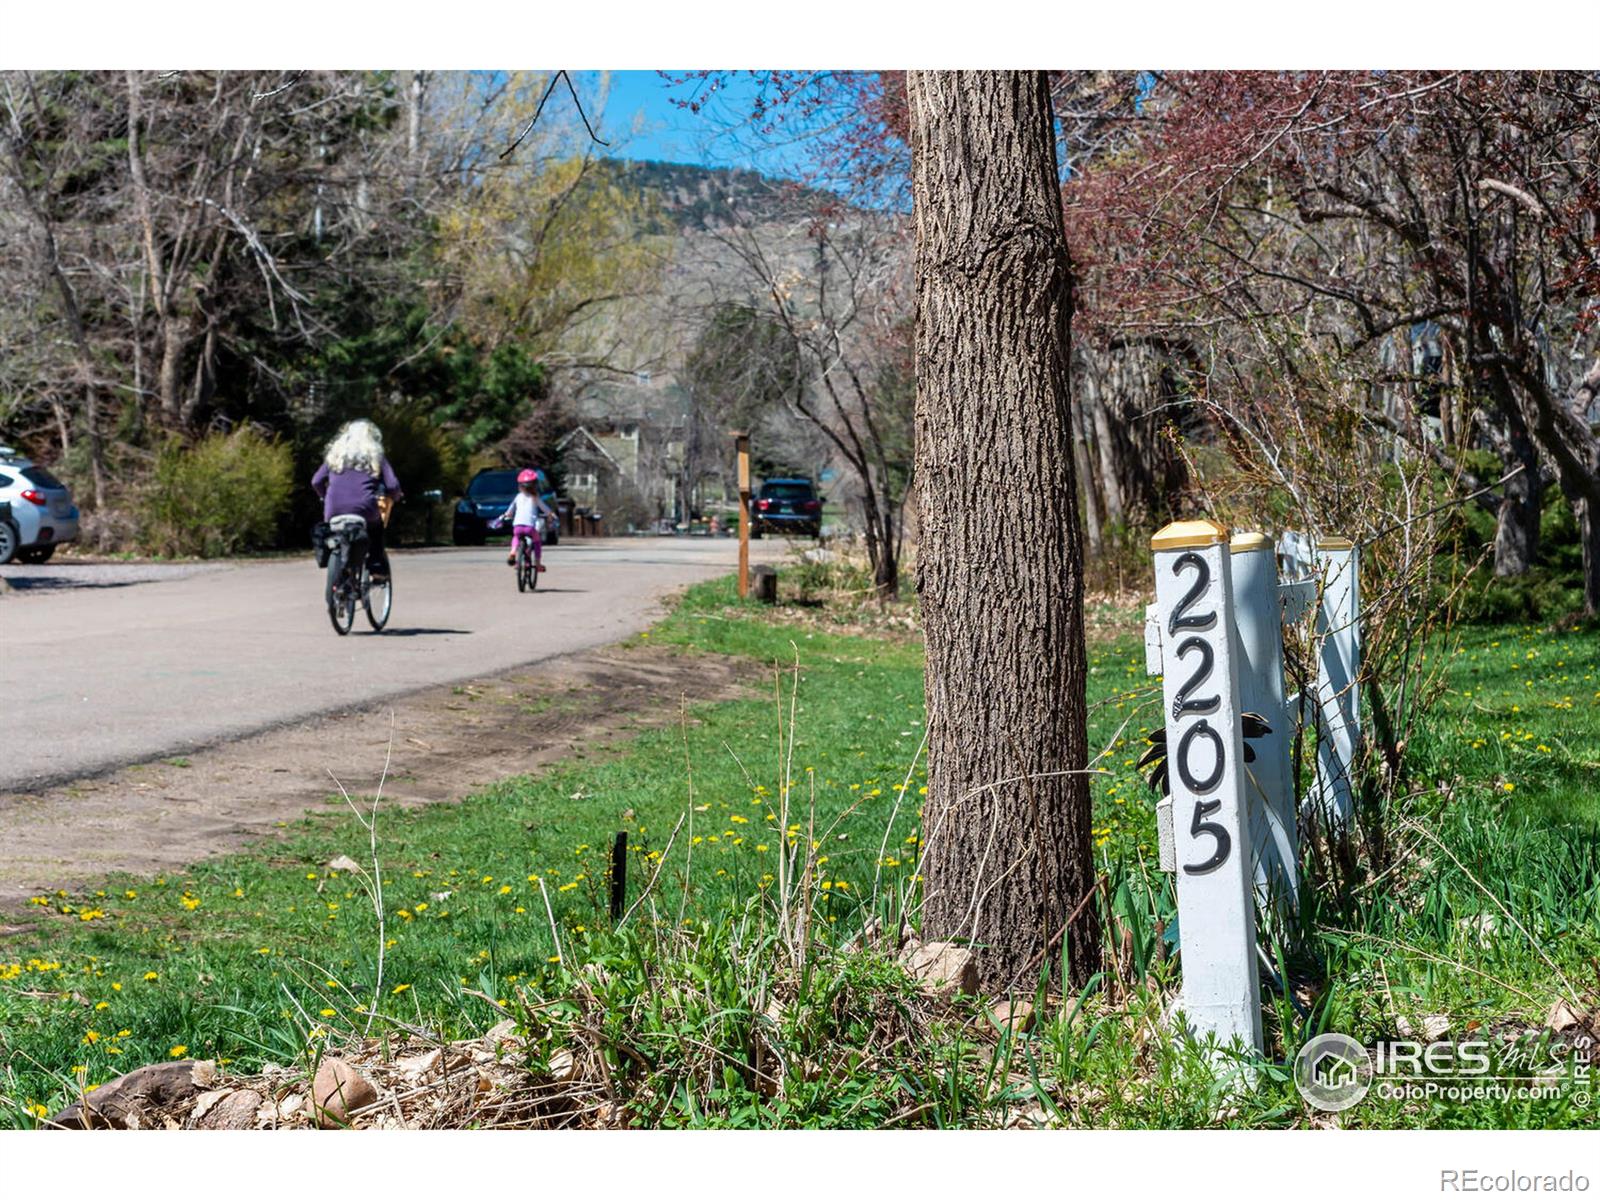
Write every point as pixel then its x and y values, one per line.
pixel 36 510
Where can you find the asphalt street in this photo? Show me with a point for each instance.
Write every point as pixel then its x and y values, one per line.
pixel 103 665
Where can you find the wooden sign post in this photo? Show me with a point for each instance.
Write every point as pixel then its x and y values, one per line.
pixel 1205 752
pixel 1258 622
pixel 741 444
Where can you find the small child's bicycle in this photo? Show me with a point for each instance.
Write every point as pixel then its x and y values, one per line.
pixel 527 569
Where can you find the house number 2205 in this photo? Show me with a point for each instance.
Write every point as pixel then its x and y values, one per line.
pixel 1186 703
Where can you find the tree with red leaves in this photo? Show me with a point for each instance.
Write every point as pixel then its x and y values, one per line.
pixel 1381 210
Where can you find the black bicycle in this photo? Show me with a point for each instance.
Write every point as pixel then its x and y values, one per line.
pixel 527 569
pixel 349 581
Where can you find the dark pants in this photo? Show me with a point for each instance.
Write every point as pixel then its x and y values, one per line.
pixel 377 560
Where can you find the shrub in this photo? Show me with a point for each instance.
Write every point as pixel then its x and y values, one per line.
pixel 217 496
pixel 424 457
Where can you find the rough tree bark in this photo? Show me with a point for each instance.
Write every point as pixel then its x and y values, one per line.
pixel 1007 820
pixel 1516 532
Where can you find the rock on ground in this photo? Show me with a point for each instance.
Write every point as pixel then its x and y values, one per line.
pixel 339 1090
pixel 230 1110
pixel 942 968
pixel 140 1099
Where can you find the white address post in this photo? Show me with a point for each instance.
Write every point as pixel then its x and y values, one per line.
pixel 1338 665
pixel 1258 619
pixel 1200 688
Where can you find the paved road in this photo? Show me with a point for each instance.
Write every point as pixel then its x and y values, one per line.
pixel 101 666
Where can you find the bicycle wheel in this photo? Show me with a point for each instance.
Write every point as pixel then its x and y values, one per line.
pixel 341 601
pixel 522 570
pixel 377 599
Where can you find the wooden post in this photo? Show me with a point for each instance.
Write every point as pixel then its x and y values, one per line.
pixel 1258 623
pixel 741 444
pixel 1211 835
pixel 1338 701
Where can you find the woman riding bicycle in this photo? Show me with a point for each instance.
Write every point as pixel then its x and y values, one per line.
pixel 526 512
pixel 354 473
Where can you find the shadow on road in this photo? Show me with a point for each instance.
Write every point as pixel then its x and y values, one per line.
pixel 420 632
pixel 59 583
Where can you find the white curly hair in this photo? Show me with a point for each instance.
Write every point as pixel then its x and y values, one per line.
pixel 358 446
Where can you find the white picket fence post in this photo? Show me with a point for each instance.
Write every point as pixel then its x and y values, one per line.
pixel 1258 623
pixel 1210 831
pixel 1338 666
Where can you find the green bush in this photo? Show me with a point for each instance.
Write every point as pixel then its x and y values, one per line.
pixel 217 496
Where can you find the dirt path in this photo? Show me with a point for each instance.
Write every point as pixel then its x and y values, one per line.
pixel 449 741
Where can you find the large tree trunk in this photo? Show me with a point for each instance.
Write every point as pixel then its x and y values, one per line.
pixel 1516 534
pixel 1589 538
pixel 1007 821
pixel 1091 494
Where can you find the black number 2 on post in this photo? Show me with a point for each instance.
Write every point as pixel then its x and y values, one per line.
pixel 1185 704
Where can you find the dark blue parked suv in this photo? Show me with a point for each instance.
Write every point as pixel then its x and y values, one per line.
pixel 488 495
pixel 787 506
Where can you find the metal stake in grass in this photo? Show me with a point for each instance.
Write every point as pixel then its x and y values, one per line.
pixel 619 874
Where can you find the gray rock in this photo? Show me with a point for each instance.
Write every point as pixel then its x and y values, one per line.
pixel 140 1098
pixel 235 1110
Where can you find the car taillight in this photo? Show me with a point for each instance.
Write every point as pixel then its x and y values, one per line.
pixel 34 496
pixel 812 506
pixel 763 505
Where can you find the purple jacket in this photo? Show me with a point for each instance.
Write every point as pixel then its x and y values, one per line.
pixel 353 493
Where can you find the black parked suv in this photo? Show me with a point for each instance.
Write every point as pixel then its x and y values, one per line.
pixel 489 495
pixel 787 506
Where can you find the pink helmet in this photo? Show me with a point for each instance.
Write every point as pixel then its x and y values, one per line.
pixel 528 475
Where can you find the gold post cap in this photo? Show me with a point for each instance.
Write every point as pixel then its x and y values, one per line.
pixel 1335 543
pixel 1253 539
pixel 1181 535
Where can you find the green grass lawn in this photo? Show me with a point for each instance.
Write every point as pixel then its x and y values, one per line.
pixel 253 957
pixel 1523 712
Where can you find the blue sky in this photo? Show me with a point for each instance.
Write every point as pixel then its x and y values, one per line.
pixel 642 122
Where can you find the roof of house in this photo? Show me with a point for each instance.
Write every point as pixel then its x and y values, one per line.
pixel 583 432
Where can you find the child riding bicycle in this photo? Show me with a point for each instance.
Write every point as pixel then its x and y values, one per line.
pixel 525 513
